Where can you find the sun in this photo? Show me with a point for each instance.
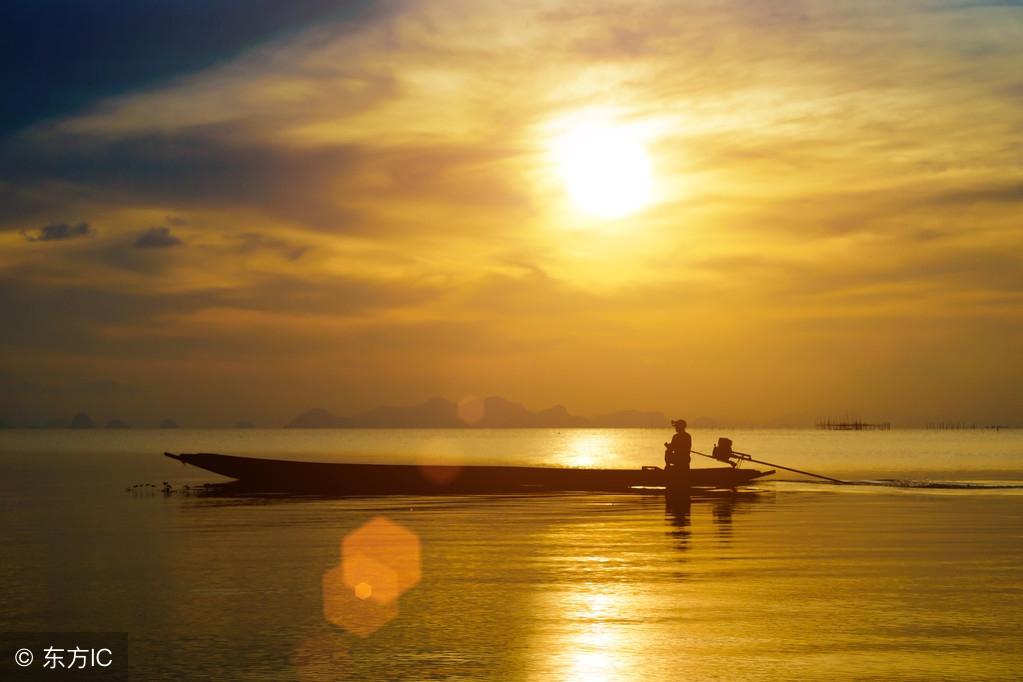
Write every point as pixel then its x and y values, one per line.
pixel 605 169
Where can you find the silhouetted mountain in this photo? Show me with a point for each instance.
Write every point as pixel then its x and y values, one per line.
pixel 82 421
pixel 498 413
pixel 116 424
pixel 434 413
pixel 244 425
pixel 558 416
pixel 316 418
pixel 4 425
pixel 169 424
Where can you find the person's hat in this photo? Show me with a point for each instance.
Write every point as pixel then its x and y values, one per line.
pixel 678 422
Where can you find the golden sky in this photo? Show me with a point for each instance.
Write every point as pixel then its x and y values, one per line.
pixel 374 209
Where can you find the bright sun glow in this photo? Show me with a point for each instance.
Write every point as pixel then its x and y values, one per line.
pixel 605 168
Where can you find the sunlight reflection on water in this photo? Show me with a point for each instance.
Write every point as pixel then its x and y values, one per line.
pixel 585 449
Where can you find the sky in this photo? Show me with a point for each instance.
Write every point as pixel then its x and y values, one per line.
pixel 224 210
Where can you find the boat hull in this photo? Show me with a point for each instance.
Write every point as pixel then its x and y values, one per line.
pixel 272 475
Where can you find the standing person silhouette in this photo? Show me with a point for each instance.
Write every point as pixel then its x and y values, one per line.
pixel 676 453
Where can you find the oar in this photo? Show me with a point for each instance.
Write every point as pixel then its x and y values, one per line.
pixel 744 456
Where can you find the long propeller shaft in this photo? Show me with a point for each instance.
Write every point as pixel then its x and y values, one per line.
pixel 750 458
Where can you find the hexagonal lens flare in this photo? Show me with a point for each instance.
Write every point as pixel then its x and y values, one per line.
pixel 380 561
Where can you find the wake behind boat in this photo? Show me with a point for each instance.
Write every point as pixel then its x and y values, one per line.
pixel 275 475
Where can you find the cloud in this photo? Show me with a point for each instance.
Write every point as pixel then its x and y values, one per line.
pixel 250 242
pixel 157 238
pixel 89 320
pixel 63 55
pixel 58 232
pixel 323 187
pixel 1009 193
pixel 186 170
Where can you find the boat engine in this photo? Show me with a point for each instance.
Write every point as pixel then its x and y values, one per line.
pixel 723 451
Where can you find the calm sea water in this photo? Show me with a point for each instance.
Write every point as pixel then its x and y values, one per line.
pixel 792 580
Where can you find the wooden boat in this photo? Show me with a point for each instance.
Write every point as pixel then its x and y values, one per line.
pixel 274 475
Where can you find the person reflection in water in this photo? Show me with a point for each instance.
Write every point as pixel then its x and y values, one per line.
pixel 676 453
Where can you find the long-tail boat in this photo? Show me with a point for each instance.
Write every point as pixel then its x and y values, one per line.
pixel 276 475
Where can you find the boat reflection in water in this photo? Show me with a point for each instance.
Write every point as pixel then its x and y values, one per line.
pixel 722 503
pixel 621 603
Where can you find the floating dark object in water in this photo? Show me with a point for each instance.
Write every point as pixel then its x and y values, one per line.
pixel 273 475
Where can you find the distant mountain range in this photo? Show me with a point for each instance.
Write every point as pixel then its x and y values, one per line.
pixel 488 413
pixel 84 421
